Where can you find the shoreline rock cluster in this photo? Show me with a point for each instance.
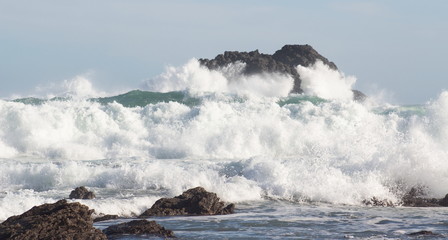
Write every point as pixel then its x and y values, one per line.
pixel 64 220
pixel 72 221
pixel 415 197
pixel 283 61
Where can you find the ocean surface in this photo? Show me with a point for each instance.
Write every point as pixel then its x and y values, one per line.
pixel 297 166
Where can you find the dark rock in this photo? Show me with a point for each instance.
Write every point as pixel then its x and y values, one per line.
pixel 444 201
pixel 105 218
pixel 81 193
pixel 57 221
pixel 282 61
pixel 378 203
pixel 195 201
pixel 139 227
pixel 422 233
pixel 415 198
pixel 358 96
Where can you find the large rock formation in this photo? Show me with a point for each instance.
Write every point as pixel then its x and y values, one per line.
pixel 139 227
pixel 57 221
pixel 282 61
pixel 195 201
pixel 81 193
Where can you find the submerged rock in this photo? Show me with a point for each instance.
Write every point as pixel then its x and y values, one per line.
pixel 195 201
pixel 422 233
pixel 283 61
pixel 81 193
pixel 139 227
pixel 57 221
pixel 378 202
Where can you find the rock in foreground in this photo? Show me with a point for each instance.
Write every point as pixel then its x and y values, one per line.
pixel 139 227
pixel 57 221
pixel 81 193
pixel 195 201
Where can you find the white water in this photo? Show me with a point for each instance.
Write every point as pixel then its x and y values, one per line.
pixel 198 79
pixel 243 148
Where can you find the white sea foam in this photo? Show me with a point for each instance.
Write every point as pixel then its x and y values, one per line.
pixel 196 78
pixel 322 81
pixel 79 87
pixel 242 149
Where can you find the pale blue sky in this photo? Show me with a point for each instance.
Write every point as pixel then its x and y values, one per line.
pixel 397 46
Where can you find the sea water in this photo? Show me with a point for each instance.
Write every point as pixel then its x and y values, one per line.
pixel 297 166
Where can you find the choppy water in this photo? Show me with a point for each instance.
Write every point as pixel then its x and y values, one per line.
pixel 297 166
pixel 286 220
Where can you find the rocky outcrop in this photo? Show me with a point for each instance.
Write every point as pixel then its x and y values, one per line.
pixel 139 227
pixel 375 202
pixel 416 198
pixel 105 218
pixel 282 61
pixel 195 201
pixel 57 221
pixel 81 193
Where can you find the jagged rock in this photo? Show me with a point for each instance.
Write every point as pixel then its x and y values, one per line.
pixel 444 201
pixel 195 201
pixel 57 221
pixel 415 198
pixel 81 193
pixel 139 227
pixel 378 203
pixel 282 61
pixel 105 218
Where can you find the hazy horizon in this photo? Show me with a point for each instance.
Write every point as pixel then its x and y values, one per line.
pixel 394 49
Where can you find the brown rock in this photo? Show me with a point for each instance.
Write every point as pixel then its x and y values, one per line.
pixel 105 218
pixel 81 193
pixel 139 227
pixel 57 221
pixel 195 201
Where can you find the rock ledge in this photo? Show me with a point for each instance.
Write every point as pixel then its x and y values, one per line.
pixel 195 201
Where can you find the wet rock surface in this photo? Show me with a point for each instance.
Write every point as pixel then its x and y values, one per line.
pixel 139 227
pixel 375 202
pixel 105 218
pixel 195 201
pixel 283 61
pixel 57 221
pixel 416 198
pixel 422 233
pixel 81 193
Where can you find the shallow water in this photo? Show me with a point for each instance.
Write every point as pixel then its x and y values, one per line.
pixel 286 220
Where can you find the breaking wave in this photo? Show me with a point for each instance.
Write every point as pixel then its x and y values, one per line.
pixel 137 146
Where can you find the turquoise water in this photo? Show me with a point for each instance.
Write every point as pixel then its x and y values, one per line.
pixel 297 167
